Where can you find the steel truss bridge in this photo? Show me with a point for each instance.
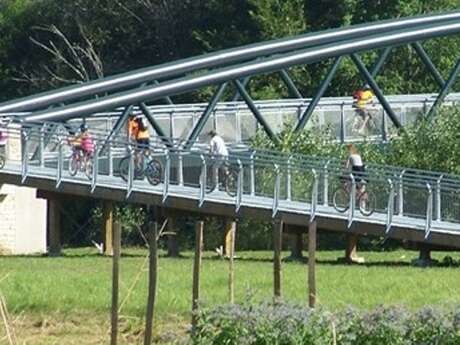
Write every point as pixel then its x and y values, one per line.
pixel 412 204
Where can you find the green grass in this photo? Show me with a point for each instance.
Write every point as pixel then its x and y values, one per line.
pixel 80 282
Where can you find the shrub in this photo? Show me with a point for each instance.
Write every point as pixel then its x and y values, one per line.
pixel 287 324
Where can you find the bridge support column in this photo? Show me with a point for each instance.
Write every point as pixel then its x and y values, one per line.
pixel 107 227
pixel 296 242
pixel 173 244
pixel 351 251
pixel 424 258
pixel 54 227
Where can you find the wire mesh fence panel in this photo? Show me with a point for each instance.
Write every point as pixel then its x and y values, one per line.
pixel 415 201
pixel 450 205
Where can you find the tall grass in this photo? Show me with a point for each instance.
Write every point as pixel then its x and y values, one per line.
pixel 80 281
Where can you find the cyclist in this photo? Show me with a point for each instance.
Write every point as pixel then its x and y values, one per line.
pixel 83 143
pixel 219 153
pixel 362 99
pixel 138 132
pixel 355 164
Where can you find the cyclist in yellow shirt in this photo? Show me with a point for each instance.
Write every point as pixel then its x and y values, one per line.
pixel 362 99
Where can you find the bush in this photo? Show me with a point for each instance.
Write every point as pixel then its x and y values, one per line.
pixel 287 324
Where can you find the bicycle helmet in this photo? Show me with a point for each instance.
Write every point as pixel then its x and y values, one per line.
pixel 83 127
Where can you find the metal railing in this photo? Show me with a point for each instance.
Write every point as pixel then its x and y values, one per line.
pixel 264 178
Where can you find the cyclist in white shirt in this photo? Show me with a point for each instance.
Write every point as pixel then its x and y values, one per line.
pixel 355 162
pixel 219 153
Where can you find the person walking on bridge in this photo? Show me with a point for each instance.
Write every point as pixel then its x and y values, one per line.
pixel 219 153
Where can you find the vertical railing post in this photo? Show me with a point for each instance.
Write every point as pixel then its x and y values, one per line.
pixel 239 188
pixel 25 155
pixel 314 196
pixel 276 192
pixel 130 173
pixel 42 146
pixel 288 179
pixel 391 206
pixel 167 176
pixel 401 194
pixel 326 184
pixel 351 211
pixel 438 199
pixel 60 163
pixel 342 122
pixel 203 180
pixel 109 156
pixel 95 168
pixel 384 127
pixel 252 187
pixel 429 211
pixel 180 168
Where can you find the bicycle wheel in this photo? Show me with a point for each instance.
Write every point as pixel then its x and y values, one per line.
pixel 74 165
pixel 366 203
pixel 231 182
pixel 341 200
pixel 2 161
pixel 153 172
pixel 123 168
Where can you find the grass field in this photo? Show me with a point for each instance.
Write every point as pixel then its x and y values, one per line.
pixel 75 289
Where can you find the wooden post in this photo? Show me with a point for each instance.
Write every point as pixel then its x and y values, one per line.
pixel 277 243
pixel 54 227
pixel 107 224
pixel 231 256
pixel 173 245
pixel 196 271
pixel 229 228
pixel 153 269
pixel 311 264
pixel 115 279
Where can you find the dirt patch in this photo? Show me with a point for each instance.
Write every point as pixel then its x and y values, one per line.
pixel 89 330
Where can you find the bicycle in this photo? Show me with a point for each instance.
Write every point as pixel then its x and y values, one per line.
pixel 228 178
pixel 152 169
pixel 366 200
pixel 358 120
pixel 80 161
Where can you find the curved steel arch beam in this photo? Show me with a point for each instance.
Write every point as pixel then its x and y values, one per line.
pixel 226 57
pixel 191 83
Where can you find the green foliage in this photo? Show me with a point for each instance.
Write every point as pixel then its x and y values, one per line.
pixel 294 325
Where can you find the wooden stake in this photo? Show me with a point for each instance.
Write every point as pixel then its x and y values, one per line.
pixel 107 223
pixel 115 279
pixel 277 243
pixel 153 270
pixel 231 268
pixel 311 264
pixel 196 271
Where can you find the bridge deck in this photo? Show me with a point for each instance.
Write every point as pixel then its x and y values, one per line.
pixel 187 198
